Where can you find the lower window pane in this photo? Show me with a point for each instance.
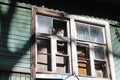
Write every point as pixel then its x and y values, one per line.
pixel 62 64
pixel 100 68
pixel 43 63
pixel 43 55
pixel 83 67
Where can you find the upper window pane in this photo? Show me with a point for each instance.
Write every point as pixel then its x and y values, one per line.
pixel 59 28
pixel 82 31
pixel 43 24
pixel 96 34
pixel 89 33
pixel 99 52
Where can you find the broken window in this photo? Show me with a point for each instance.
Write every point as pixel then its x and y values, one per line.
pixel 83 59
pixel 51 47
pixel 89 52
pixel 59 28
pixel 62 58
pixel 100 62
pixel 48 25
pixel 43 55
pixel 100 69
pixel 69 46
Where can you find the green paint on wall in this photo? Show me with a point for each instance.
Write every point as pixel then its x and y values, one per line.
pixel 116 50
pixel 15 33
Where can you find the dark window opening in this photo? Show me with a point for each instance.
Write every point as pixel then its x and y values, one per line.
pixel 62 58
pixel 61 47
pixel 59 28
pixel 83 59
pixel 43 55
pixel 100 69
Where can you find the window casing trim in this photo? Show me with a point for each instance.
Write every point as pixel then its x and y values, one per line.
pixel 105 24
pixel 72 20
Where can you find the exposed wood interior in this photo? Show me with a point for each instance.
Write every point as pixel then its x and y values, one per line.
pixel 62 57
pixel 100 69
pixel 83 59
pixel 43 55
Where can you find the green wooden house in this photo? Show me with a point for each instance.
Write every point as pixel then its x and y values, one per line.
pixel 54 40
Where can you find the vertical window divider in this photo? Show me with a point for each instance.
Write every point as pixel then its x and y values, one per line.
pixel 36 53
pixel 104 35
pixel 69 46
pixel 73 47
pixel 89 33
pixel 53 51
pixel 111 72
pixel 69 54
pixel 92 57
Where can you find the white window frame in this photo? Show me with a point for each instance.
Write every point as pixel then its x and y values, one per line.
pixel 93 21
pixel 72 37
pixel 53 39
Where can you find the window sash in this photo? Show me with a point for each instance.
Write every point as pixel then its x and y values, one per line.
pixel 41 26
pixel 88 32
pixel 72 35
pixel 54 39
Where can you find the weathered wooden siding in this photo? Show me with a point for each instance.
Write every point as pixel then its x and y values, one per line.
pixel 14 76
pixel 116 49
pixel 15 24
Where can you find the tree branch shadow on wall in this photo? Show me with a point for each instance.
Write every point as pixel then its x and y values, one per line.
pixel 4 34
pixel 31 41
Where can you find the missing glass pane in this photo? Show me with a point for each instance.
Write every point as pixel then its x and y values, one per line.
pixel 43 46
pixel 62 63
pixel 83 51
pixel 43 63
pixel 100 68
pixel 43 55
pixel 59 28
pixel 62 58
pixel 83 59
pixel 83 67
pixel 61 47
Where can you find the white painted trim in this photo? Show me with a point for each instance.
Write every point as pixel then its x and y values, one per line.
pixel 104 24
pixel 53 53
pixel 87 19
pixel 73 48
pixel 112 67
pixel 92 57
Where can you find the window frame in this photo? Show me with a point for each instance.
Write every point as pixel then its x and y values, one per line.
pixel 54 38
pixel 72 19
pixel 98 22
